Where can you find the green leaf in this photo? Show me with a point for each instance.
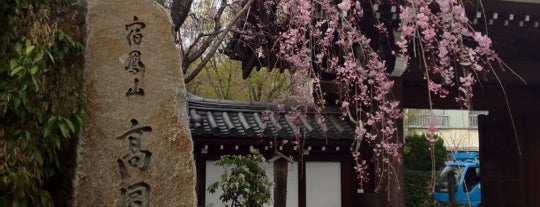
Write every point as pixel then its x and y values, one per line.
pixel 79 121
pixel 39 56
pixel 16 70
pixel 27 42
pixel 64 129
pixel 45 197
pixel 22 89
pixel 47 130
pixel 34 70
pixel 29 49
pixel 69 124
pixel 36 83
pixel 57 143
pixel 51 57
pixel 18 47
pixel 48 126
pixel 13 63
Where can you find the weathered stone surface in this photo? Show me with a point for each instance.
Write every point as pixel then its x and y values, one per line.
pixel 114 169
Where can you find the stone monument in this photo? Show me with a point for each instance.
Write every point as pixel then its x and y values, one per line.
pixel 136 149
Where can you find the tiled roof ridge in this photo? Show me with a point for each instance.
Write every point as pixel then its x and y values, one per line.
pixel 234 119
pixel 198 102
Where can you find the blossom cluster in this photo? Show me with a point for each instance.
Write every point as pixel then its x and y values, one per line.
pixel 317 37
pixel 452 53
pixel 334 43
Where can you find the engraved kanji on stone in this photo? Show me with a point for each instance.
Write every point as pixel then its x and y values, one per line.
pixel 135 36
pixel 135 64
pixel 135 158
pixel 137 194
pixel 135 90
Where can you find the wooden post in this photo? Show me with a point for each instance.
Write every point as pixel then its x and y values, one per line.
pixel 280 180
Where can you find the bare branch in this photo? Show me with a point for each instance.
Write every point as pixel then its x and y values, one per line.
pixel 191 54
pixel 212 34
pixel 218 42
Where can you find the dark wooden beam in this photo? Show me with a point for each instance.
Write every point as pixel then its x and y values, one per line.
pixel 200 164
pixel 280 182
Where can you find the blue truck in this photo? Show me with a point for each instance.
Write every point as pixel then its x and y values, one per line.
pixel 459 181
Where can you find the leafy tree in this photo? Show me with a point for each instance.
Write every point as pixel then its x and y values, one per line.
pixel 265 86
pixel 420 154
pixel 221 79
pixel 421 157
pixel 244 182
pixel 417 189
pixel 40 99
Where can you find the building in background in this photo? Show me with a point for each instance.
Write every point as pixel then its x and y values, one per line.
pixel 458 128
pixel 224 127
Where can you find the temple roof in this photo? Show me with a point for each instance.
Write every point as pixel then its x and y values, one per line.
pixel 225 119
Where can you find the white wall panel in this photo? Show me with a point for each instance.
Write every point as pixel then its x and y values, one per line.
pixel 292 185
pixel 323 184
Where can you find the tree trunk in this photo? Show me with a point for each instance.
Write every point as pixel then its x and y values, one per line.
pixel 179 12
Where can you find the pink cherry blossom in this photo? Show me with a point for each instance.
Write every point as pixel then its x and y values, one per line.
pixel 324 36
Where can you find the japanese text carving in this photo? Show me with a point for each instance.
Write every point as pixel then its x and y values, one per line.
pixel 134 31
pixel 137 194
pixel 135 90
pixel 135 65
pixel 135 158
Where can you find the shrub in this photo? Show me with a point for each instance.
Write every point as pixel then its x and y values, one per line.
pixel 417 190
pixel 244 182
pixel 417 153
pixel 418 162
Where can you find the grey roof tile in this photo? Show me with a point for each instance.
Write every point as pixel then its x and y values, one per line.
pixel 211 118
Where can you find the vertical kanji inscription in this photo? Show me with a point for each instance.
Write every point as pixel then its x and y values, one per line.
pixel 136 195
pixel 135 158
pixel 131 64
pixel 135 64
pixel 134 31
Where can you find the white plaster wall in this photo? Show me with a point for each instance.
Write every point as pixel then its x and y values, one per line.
pixel 459 135
pixel 213 174
pixel 456 139
pixel 292 185
pixel 323 184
